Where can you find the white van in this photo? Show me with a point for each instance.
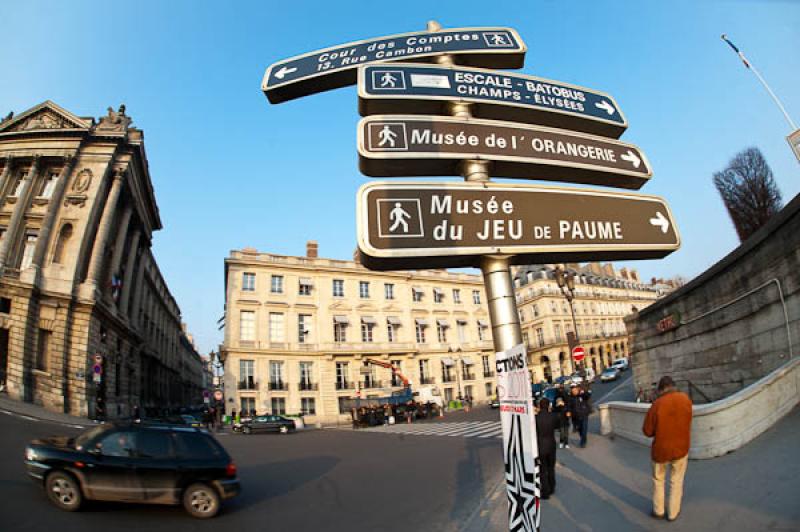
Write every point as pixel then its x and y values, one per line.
pixel 427 392
pixel 620 364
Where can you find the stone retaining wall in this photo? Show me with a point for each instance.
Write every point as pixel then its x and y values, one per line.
pixel 722 426
pixel 731 321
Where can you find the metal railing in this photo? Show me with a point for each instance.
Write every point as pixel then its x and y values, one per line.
pixel 308 386
pixel 278 385
pixel 247 385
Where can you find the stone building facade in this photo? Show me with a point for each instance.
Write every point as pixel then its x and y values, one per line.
pixel 603 297
pixel 298 330
pixel 79 286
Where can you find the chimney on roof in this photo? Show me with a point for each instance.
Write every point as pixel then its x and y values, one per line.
pixel 608 269
pixel 635 276
pixel 312 249
pixel 624 273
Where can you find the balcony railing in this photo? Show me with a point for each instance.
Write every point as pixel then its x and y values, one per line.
pixel 427 380
pixel 469 376
pixel 248 385
pixel 278 385
pixel 344 385
pixel 448 378
pixel 488 374
pixel 373 384
pixel 308 386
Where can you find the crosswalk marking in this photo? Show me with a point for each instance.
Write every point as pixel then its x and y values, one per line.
pixel 462 429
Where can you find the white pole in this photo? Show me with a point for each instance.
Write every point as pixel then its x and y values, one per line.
pixel 752 67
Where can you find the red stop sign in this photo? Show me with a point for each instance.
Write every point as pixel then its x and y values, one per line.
pixel 578 353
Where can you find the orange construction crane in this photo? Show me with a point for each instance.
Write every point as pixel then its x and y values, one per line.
pixel 390 366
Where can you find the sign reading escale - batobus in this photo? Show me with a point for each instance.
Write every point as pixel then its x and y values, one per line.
pixel 335 67
pixel 426 89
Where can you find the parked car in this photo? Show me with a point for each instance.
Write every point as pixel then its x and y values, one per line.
pixel 575 379
pixel 621 364
pixel 609 374
pixel 269 423
pixel 133 462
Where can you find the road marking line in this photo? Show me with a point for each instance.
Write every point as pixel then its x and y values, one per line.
pixel 620 385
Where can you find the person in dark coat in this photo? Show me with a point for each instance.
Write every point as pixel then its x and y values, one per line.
pixel 579 409
pixel 546 423
pixel 561 410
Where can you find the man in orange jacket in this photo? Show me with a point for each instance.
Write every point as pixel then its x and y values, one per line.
pixel 669 423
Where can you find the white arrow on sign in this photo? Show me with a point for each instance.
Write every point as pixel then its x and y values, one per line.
pixel 283 71
pixel 631 158
pixel 605 106
pixel 660 221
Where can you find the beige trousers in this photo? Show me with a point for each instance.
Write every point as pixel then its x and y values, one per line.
pixel 675 486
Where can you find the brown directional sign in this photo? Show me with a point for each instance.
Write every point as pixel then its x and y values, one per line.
pixel 443 225
pixel 434 145
pixel 427 89
pixel 336 66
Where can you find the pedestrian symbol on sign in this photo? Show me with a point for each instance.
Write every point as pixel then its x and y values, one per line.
pixel 387 136
pixel 388 80
pixel 400 218
pixel 498 39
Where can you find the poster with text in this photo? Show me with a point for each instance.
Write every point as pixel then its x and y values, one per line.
pixel 520 452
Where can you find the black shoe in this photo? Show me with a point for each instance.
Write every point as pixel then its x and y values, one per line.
pixel 656 516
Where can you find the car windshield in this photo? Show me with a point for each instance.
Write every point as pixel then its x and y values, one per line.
pixel 89 435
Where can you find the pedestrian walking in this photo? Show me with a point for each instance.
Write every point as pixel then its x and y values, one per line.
pixel 579 410
pixel 563 414
pixel 669 423
pixel 546 423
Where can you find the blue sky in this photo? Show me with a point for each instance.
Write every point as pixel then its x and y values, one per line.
pixel 230 170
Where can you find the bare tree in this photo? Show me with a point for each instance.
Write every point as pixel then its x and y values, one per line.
pixel 749 191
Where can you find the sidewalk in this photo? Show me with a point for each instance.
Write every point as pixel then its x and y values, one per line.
pixel 35 412
pixel 607 487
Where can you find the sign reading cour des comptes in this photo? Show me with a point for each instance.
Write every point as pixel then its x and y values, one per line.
pixel 401 145
pixel 425 89
pixel 442 225
pixel 335 67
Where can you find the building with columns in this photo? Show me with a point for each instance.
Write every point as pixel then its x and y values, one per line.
pixel 87 323
pixel 603 297
pixel 299 329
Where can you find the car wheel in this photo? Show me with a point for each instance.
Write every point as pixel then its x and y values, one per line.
pixel 247 430
pixel 64 491
pixel 201 501
pixel 284 429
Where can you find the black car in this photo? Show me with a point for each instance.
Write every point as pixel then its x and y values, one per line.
pixel 134 462
pixel 268 424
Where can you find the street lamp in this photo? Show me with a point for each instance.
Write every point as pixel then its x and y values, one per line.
pixel 566 282
pixel 794 136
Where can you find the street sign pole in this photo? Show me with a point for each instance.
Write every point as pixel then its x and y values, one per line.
pixel 506 336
